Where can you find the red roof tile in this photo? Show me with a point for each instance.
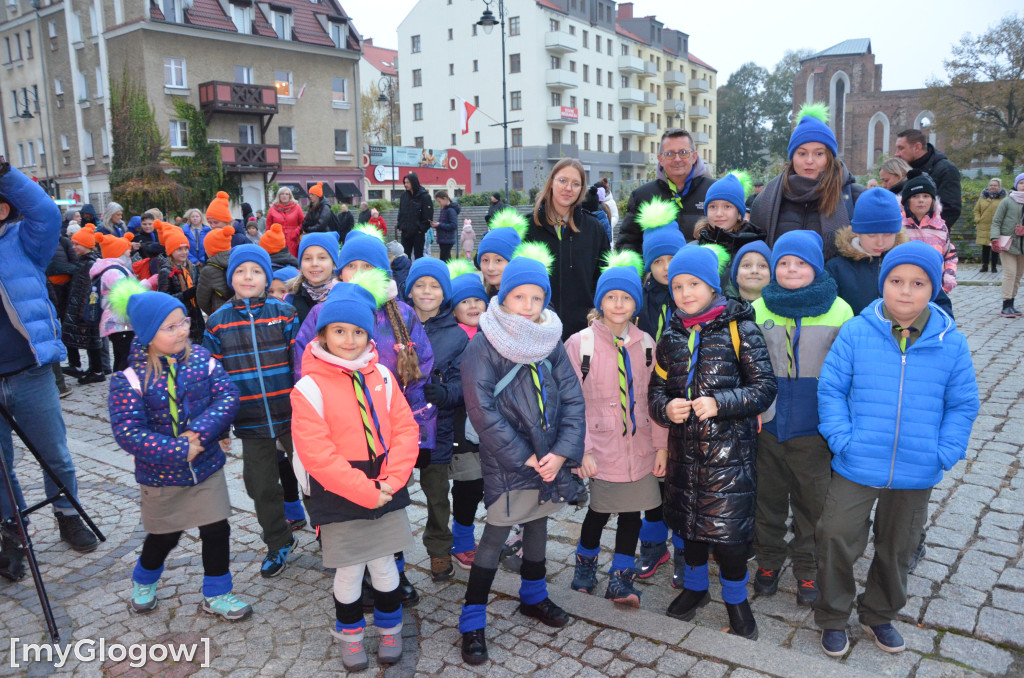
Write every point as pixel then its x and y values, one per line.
pixel 208 14
pixel 693 57
pixel 381 58
pixel 550 5
pixel 622 31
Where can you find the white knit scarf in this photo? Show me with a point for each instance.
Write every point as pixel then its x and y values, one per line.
pixel 517 338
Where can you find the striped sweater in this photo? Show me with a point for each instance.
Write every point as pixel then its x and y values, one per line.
pixel 254 340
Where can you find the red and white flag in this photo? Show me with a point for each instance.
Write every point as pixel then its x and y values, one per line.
pixel 467 109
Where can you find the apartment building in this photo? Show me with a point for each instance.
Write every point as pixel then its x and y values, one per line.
pixel 277 84
pixel 585 79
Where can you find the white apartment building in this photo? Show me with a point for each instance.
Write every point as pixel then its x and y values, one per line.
pixel 585 79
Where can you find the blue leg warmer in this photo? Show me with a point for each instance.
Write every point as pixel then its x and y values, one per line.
pixel 473 617
pixel 734 592
pixel 580 550
pixel 696 578
pixel 532 591
pixel 387 620
pixel 351 628
pixel 293 510
pixel 463 538
pixel 400 562
pixel 621 561
pixel 678 541
pixel 216 586
pixel 655 532
pixel 146 577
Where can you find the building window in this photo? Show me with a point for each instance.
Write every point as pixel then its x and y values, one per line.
pixel 586 141
pixel 451 69
pixel 608 47
pixel 572 101
pixel 87 148
pixel 243 75
pixel 600 109
pixel 418 142
pixel 517 137
pixel 610 144
pixel 83 85
pixel 451 104
pixel 611 112
pixel 586 72
pixel 99 82
pixel 341 141
pixel 65 143
pixel 28 44
pixel 474 30
pixel 282 25
pixel 598 78
pixel 556 99
pixel 553 25
pixel 597 43
pixel 516 99
pixel 242 17
pixel 556 136
pixel 517 180
pixel 31 148
pixel 453 140
pixel 625 49
pixel 513 63
pixel 286 138
pixel 572 66
pixel 572 137
pixel 476 139
pixel 174 73
pixel 339 34
pixel 476 66
pixel 478 180
pixel 247 134
pixel 600 144
pixel 415 44
pixel 586 108
pixel 586 39
pixel 555 62
pixel 417 111
pixel 417 77
pixel 451 34
pixel 179 134
pixel 283 83
pixel 172 11
pixel 513 26
pixel 339 89
pixel 572 30
pixel 476 100
pixel 52 29
pixel 58 86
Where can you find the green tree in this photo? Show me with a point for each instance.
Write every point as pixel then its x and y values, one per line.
pixel 777 101
pixel 202 174
pixel 741 129
pixel 981 108
pixel 375 117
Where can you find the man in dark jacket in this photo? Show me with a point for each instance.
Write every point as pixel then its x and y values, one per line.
pixel 913 147
pixel 681 177
pixel 415 213
pixel 497 204
pixel 343 221
pixel 30 335
pixel 364 213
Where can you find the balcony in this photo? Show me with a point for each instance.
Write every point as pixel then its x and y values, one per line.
pixel 699 112
pixel 631 95
pixel 675 78
pixel 631 64
pixel 651 128
pixel 563 115
pixel 675 106
pixel 650 99
pixel 558 42
pixel 631 127
pixel 699 85
pixel 247 158
pixel 234 97
pixel 559 151
pixel 632 158
pixel 561 79
pixel 701 138
pixel 650 69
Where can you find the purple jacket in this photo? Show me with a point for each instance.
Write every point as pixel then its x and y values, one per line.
pixel 424 413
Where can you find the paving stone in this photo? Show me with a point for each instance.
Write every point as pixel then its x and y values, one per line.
pixel 866 656
pixel 932 668
pixel 1012 578
pixel 949 615
pixel 597 656
pixel 975 653
pixel 675 663
pixel 642 651
pixel 1000 626
pixel 708 669
pixel 611 639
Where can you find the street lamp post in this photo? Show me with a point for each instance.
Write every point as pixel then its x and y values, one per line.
pixel 488 22
pixel 27 115
pixel 389 98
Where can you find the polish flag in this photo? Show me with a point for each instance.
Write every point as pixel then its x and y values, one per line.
pixel 467 110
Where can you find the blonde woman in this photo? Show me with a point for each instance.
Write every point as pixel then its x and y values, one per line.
pixel 288 213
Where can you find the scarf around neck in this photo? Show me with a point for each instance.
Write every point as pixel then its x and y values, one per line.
pixel 807 302
pixel 1018 197
pixel 319 293
pixel 517 338
pixel 713 310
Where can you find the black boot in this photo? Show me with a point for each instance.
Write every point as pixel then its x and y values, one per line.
pixel 409 595
pixel 75 534
pixel 546 612
pixel 686 604
pixel 12 553
pixel 741 620
pixel 1008 310
pixel 474 647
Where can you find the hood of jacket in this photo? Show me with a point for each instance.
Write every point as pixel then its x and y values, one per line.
pixel 846 246
pixel 102 265
pixel 319 362
pixel 939 324
pixel 221 259
pixel 455 206
pixel 414 182
pixel 731 240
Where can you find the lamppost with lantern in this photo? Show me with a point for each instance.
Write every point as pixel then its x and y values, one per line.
pixel 387 83
pixel 488 22
pixel 49 183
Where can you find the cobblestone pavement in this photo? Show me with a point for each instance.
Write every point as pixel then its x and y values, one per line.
pixel 965 616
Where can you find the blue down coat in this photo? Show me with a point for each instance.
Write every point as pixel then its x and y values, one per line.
pixel 448 341
pixel 893 419
pixel 510 425
pixel 141 422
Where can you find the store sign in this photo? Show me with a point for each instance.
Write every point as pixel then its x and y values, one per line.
pixel 403 156
pixel 570 114
pixel 385 173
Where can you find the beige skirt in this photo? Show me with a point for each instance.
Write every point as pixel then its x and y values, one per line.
pixel 520 506
pixel 174 509
pixel 639 495
pixel 359 541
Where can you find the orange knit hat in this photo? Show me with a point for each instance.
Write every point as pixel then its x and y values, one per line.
pixel 317 189
pixel 220 208
pixel 111 247
pixel 273 240
pixel 172 237
pixel 86 236
pixel 218 240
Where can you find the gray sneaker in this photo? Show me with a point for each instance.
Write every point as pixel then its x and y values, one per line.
pixel 353 655
pixel 390 649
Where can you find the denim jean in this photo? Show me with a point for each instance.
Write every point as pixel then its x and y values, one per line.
pixel 30 396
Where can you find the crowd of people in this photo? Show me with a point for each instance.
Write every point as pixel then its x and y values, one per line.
pixel 730 363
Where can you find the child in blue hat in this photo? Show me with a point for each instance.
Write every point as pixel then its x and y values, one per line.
pixel 168 409
pixel 507 229
pixel 318 257
pixel 725 221
pixel 712 379
pixel 751 270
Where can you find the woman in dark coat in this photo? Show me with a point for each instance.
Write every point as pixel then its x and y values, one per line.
pixel 415 214
pixel 447 224
pixel 575 238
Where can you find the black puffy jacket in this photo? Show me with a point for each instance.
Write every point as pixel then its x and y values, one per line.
pixel 510 425
pixel 318 219
pixel 630 236
pixel 448 341
pixel 711 480
pixel 283 258
pixel 947 182
pixel 448 224
pixel 416 209
pixel 578 261
pixel 76 332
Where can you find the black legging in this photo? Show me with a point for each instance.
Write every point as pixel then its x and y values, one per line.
pixel 987 254
pixel 216 548
pixel 627 532
pixel 289 483
pixel 446 252
pixel 732 558
pixel 466 496
pixel 122 342
pixel 413 245
pixel 655 515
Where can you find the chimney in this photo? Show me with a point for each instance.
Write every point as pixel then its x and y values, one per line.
pixel 368 41
pixel 625 10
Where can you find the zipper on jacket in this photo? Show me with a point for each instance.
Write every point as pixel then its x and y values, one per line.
pixel 899 413
pixel 195 481
pixel 259 367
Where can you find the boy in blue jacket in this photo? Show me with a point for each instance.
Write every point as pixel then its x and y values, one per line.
pixel 897 398
pixel 253 336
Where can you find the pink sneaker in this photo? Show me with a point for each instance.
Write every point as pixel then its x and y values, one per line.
pixel 465 559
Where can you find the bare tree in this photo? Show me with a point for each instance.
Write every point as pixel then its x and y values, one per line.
pixel 376 120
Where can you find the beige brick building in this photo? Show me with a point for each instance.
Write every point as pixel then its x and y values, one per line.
pixel 277 85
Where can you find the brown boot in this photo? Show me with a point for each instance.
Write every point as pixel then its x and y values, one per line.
pixel 441 569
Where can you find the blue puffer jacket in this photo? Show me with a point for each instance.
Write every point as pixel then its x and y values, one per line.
pixel 196 252
pixel 893 419
pixel 448 341
pixel 657 310
pixel 510 425
pixel 26 247
pixel 448 224
pixel 142 426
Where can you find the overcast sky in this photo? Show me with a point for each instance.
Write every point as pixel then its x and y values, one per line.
pixel 910 41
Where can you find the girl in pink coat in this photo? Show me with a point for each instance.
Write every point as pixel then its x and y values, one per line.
pixel 625 452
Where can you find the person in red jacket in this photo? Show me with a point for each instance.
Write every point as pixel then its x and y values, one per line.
pixel 286 211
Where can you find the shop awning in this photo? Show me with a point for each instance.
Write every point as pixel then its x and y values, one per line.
pixel 346 189
pixel 298 192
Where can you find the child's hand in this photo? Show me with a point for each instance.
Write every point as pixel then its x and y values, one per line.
pixel 548 466
pixel 588 467
pixel 225 445
pixel 660 463
pixel 677 410
pixel 705 407
pixel 194 446
pixel 386 489
pixel 532 462
pixel 382 499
